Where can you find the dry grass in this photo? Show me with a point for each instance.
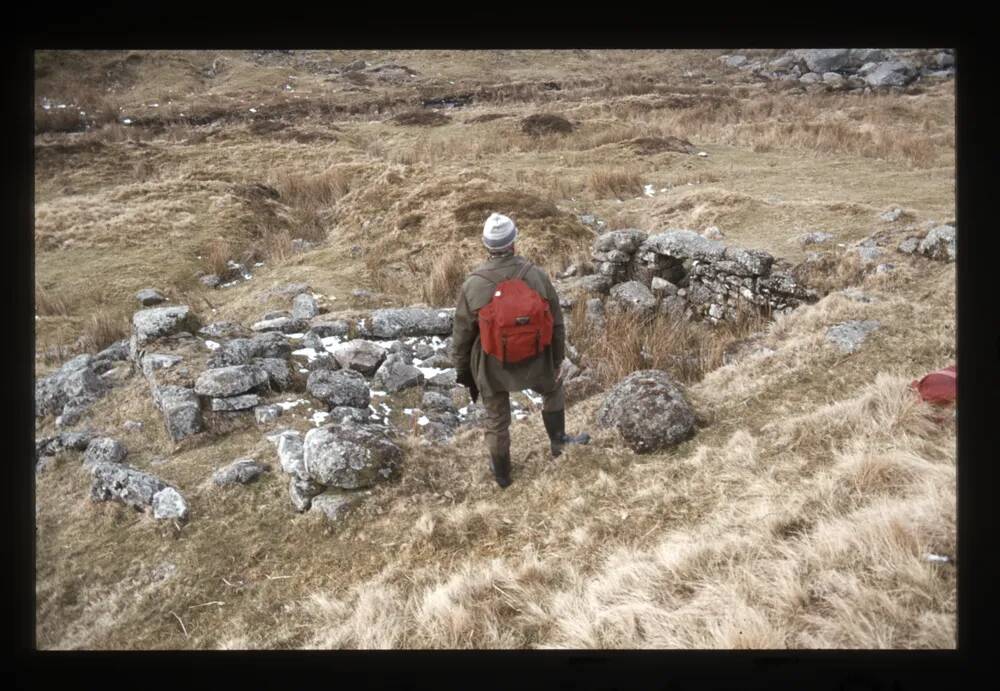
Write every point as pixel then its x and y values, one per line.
pixel 621 184
pixel 631 342
pixel 797 517
pixel 447 274
pixel 105 327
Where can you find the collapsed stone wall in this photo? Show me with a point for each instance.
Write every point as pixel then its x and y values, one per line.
pixel 680 272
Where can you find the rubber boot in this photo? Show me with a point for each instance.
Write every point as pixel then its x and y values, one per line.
pixel 555 426
pixel 500 465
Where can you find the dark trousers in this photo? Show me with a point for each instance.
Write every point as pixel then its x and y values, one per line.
pixel 497 428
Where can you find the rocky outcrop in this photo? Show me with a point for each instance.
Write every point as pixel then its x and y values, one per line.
pixel 157 322
pixel 124 484
pixel 304 306
pixel 939 244
pixel 104 450
pixel 69 391
pixel 649 411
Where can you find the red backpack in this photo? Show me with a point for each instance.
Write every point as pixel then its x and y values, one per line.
pixel 516 324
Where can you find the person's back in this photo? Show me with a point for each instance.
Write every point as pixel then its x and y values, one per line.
pixel 492 374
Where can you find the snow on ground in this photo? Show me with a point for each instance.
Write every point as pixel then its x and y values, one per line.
pixel 212 345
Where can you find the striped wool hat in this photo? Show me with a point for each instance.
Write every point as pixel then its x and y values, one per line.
pixel 499 232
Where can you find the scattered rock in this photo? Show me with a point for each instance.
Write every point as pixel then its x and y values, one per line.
pixel 939 244
pixel 301 491
pixel 241 472
pixel 350 456
pixel 339 388
pixel 118 351
pixel 713 233
pixel 445 379
pixel 104 450
pixel 395 375
pixel 816 238
pixel 149 297
pixel 334 505
pixel 594 315
pixel 632 296
pixel 409 321
pixel 286 325
pixel 279 376
pixel 221 330
pixel 435 401
pixel 157 322
pixel 265 414
pixel 291 452
pixel 360 355
pixel 438 361
pixel 909 245
pixel 649 410
pixel 848 336
pixel 343 413
pixel 234 403
pixel 325 329
pixel 168 504
pixel 891 216
pixel 181 410
pixel 230 381
pixel 124 484
pixel 210 280
pixel 304 306
pixel 151 362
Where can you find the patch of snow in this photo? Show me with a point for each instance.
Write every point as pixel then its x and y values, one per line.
pixel 407 411
pixel 319 417
pixel 316 296
pixel 533 397
pixel 519 415
pixel 429 372
pixel 296 337
pixel 212 345
pixel 378 393
pixel 253 110
pixel 229 285
pixel 308 352
pixel 422 420
pixel 127 121
pixel 648 190
pixel 288 405
pixel 385 409
pixel 259 264
pixel 330 342
pixel 703 154
pixel 303 370
pixel 464 410
pixel 155 105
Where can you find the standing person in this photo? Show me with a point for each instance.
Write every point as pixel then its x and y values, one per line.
pixel 509 336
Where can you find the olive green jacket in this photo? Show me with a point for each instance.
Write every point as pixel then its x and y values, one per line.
pixel 491 375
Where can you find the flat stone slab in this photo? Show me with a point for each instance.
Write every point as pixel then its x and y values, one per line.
pixel 408 321
pixel 233 403
pixel 230 381
pixel 849 336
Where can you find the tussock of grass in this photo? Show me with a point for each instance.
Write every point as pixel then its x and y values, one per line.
pixel 105 327
pixel 446 276
pixel 623 184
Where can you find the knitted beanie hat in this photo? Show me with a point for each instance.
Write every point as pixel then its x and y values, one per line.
pixel 499 232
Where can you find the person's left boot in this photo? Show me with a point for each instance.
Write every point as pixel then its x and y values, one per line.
pixel 555 426
pixel 500 465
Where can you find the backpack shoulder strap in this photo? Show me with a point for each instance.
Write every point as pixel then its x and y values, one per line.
pixel 522 272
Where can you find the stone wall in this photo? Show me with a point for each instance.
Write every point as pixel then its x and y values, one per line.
pixel 685 273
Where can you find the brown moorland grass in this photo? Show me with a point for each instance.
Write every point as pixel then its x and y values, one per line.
pixel 798 516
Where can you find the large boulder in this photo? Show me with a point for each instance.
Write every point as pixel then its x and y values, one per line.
pixel 939 244
pixel 238 351
pixel 290 452
pixel 104 450
pixel 893 73
pixel 124 484
pixel 181 410
pixel 286 325
pixel 360 355
pixel 827 59
pixel 684 244
pixel 157 322
pixel 634 297
pixel 408 321
pixel 350 456
pixel 230 381
pixel 75 381
pixel 649 410
pixel 395 375
pixel 339 388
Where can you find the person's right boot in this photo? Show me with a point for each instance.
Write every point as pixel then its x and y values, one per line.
pixel 500 465
pixel 555 426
